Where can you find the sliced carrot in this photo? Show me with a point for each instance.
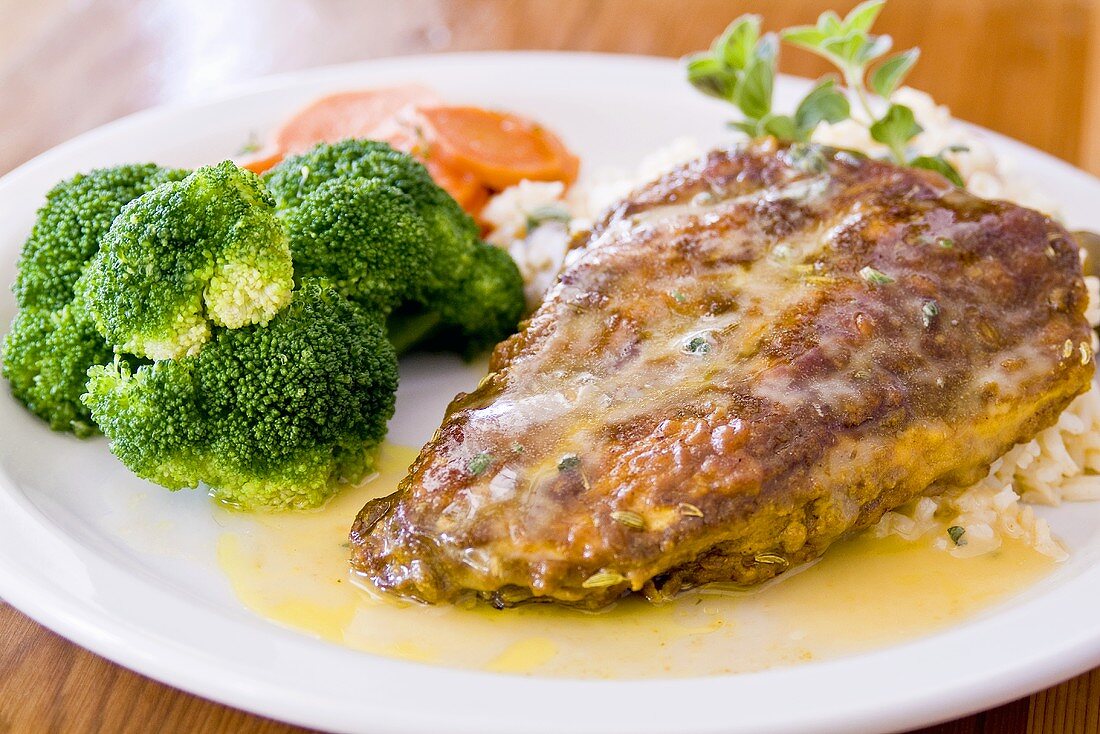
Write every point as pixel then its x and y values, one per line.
pixel 337 117
pixel 402 133
pixel 463 186
pixel 347 115
pixel 467 150
pixel 263 160
pixel 499 148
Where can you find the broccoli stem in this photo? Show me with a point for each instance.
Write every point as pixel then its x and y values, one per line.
pixel 407 329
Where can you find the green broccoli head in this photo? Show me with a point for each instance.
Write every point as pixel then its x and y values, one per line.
pixel 468 290
pixel 204 250
pixel 69 225
pixel 296 177
pixel 486 304
pixel 363 235
pixel 47 354
pixel 53 340
pixel 269 416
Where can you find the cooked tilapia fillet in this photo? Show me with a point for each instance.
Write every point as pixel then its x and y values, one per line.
pixel 745 361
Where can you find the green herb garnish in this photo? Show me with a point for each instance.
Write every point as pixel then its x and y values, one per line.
pixel 895 129
pixel 602 579
pixel 697 345
pixel 689 510
pixel 569 462
pixel 807 158
pixel 543 214
pixel 928 312
pixel 771 558
pixel 628 518
pixel 938 164
pixel 875 277
pixel 956 534
pixel 740 68
pixel 251 145
pixel 479 463
pixel 741 65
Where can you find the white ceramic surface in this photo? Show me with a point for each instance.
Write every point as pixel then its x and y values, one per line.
pixel 128 570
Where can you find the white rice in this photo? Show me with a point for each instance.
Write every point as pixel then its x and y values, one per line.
pixel 539 251
pixel 1061 464
pixel 985 174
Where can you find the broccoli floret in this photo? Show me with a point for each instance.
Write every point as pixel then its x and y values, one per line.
pixel 206 250
pixel 366 237
pixel 53 341
pixel 70 224
pixel 47 354
pixel 463 286
pixel 485 302
pixel 269 416
pixel 449 228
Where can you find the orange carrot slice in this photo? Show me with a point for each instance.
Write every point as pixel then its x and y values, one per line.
pixel 467 150
pixel 347 115
pixel 402 133
pixel 499 148
pixel 463 186
pixel 263 160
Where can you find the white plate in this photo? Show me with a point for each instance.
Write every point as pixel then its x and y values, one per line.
pixel 76 529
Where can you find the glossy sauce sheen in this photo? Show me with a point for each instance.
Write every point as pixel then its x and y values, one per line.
pixel 746 361
pixel 866 593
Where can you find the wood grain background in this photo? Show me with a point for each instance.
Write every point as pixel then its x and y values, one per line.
pixel 1027 68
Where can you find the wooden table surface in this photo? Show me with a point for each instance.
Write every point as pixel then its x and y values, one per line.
pixel 1028 68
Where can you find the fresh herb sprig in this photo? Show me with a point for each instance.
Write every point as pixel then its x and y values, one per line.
pixel 741 65
pixel 740 68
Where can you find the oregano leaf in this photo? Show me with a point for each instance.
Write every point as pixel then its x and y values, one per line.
pixel 782 127
pixel 754 89
pixel 824 103
pixel 872 48
pixel 735 46
pixel 829 22
pixel 804 36
pixel 745 126
pixel 896 128
pixel 708 75
pixel 863 16
pixel 940 165
pixel 892 72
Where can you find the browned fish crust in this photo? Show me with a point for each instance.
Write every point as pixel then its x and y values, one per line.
pixel 746 360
